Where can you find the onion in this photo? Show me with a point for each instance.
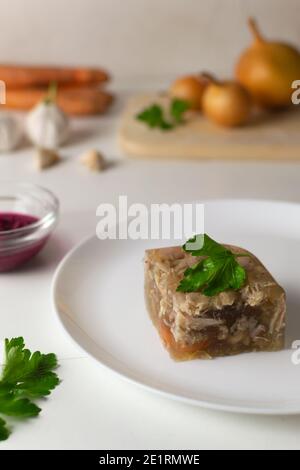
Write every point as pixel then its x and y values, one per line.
pixel 190 89
pixel 226 103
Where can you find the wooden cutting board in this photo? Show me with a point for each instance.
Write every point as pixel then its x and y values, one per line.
pixel 269 136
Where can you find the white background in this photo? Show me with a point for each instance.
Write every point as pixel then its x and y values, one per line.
pixel 92 408
pixel 140 37
pixel 134 39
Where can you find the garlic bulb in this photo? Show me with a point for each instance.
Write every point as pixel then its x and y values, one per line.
pixel 10 132
pixel 47 125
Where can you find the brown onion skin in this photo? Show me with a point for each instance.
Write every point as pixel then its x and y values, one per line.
pixel 267 70
pixel 190 89
pixel 227 104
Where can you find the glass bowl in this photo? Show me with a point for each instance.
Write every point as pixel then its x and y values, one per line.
pixel 28 215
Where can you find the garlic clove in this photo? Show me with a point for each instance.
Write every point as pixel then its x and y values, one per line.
pixel 47 126
pixel 10 132
pixel 45 158
pixel 93 160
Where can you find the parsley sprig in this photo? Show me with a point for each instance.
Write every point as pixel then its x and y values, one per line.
pixel 25 376
pixel 177 110
pixel 216 272
pixel 154 115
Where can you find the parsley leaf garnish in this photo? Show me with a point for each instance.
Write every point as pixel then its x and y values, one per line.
pixel 216 272
pixel 25 376
pixel 154 115
pixel 178 108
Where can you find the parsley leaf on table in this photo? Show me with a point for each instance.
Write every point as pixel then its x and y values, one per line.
pixel 216 272
pixel 154 115
pixel 12 405
pixel 4 432
pixel 25 376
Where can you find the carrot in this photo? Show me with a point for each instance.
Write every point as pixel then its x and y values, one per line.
pixel 78 101
pixel 177 349
pixel 21 76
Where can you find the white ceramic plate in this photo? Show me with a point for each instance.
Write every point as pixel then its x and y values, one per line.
pixel 99 299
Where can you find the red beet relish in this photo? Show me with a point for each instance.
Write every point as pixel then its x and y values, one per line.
pixel 11 257
pixel 13 221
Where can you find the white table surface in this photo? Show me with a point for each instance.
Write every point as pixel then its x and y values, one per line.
pixel 92 408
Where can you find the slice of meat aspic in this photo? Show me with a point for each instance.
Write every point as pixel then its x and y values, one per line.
pixel 193 325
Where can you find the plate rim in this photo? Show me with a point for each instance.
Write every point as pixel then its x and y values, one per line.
pixel 211 405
